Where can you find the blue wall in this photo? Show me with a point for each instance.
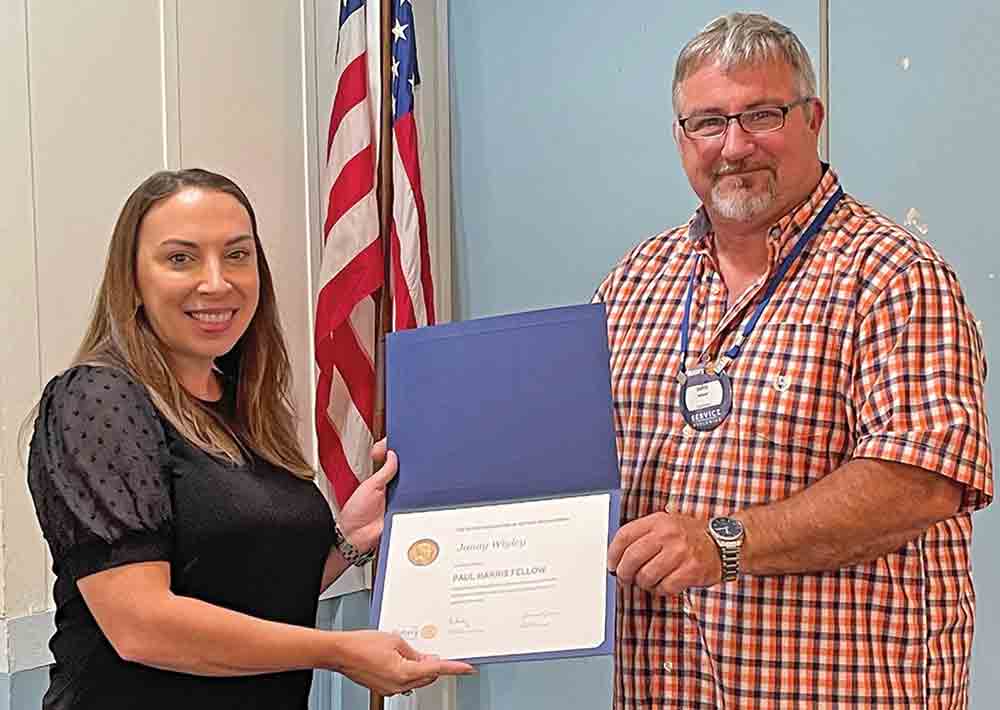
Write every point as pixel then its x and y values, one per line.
pixel 563 159
pixel 23 690
pixel 332 691
pixel 562 155
pixel 924 138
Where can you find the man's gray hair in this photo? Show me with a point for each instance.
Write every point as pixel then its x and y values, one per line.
pixel 742 39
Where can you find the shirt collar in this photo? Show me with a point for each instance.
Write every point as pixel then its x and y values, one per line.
pixel 780 235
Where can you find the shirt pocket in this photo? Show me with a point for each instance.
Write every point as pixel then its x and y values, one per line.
pixel 791 392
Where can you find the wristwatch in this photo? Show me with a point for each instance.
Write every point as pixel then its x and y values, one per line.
pixel 352 554
pixel 728 534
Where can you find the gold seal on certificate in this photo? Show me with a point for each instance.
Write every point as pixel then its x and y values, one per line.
pixel 423 552
pixel 428 631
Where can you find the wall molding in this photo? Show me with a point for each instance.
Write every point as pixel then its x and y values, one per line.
pixel 170 85
pixel 434 109
pixel 824 75
pixel 312 178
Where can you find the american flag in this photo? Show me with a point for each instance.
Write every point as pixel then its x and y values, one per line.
pixel 352 266
pixel 412 286
pixel 352 269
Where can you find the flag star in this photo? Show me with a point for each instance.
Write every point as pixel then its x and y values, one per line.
pixel 399 31
pixel 403 2
pixel 395 67
pixel 413 83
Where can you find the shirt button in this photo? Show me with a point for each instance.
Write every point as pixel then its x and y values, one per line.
pixel 716 289
pixel 687 609
pixel 775 232
pixel 668 667
pixel 687 432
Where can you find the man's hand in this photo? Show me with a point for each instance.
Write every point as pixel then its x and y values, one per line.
pixel 665 554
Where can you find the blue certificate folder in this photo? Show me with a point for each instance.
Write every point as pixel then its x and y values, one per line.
pixel 502 409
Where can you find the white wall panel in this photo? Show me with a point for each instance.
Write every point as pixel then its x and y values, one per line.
pixel 241 114
pixel 97 129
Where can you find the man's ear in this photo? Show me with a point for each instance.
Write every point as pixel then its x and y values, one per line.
pixel 817 114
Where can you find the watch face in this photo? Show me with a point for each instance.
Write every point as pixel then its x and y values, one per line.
pixel 727 528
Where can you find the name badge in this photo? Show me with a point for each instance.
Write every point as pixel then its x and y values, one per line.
pixel 706 399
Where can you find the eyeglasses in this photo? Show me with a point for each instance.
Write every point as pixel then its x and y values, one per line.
pixel 756 120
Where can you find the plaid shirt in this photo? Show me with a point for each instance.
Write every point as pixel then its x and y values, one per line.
pixel 867 349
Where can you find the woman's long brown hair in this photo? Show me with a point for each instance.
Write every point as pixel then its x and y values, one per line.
pixel 119 335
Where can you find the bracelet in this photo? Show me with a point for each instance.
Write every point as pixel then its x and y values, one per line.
pixel 350 553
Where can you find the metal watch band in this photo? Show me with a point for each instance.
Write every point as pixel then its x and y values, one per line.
pixel 730 562
pixel 350 553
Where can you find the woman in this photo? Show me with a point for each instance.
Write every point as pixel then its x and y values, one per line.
pixel 188 540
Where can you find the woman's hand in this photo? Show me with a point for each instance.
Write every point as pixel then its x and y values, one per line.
pixel 388 665
pixel 362 515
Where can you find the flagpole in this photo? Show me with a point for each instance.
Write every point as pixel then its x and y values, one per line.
pixel 383 314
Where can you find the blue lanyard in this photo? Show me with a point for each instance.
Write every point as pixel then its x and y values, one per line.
pixel 772 286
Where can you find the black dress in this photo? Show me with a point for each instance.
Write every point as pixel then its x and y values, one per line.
pixel 113 483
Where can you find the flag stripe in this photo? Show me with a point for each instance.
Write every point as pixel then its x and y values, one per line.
pixel 351 90
pixel 357 370
pixel 350 426
pixel 350 236
pixel 410 217
pixel 344 146
pixel 402 300
pixel 363 321
pixel 331 455
pixel 355 181
pixel 342 293
pixel 406 135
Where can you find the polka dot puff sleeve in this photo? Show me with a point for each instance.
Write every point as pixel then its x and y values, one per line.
pixel 99 473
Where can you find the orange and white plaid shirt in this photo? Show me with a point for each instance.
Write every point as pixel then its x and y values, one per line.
pixel 866 350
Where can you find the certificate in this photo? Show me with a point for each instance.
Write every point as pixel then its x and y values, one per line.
pixel 508 492
pixel 499 580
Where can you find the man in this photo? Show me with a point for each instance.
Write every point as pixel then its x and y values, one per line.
pixel 799 402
